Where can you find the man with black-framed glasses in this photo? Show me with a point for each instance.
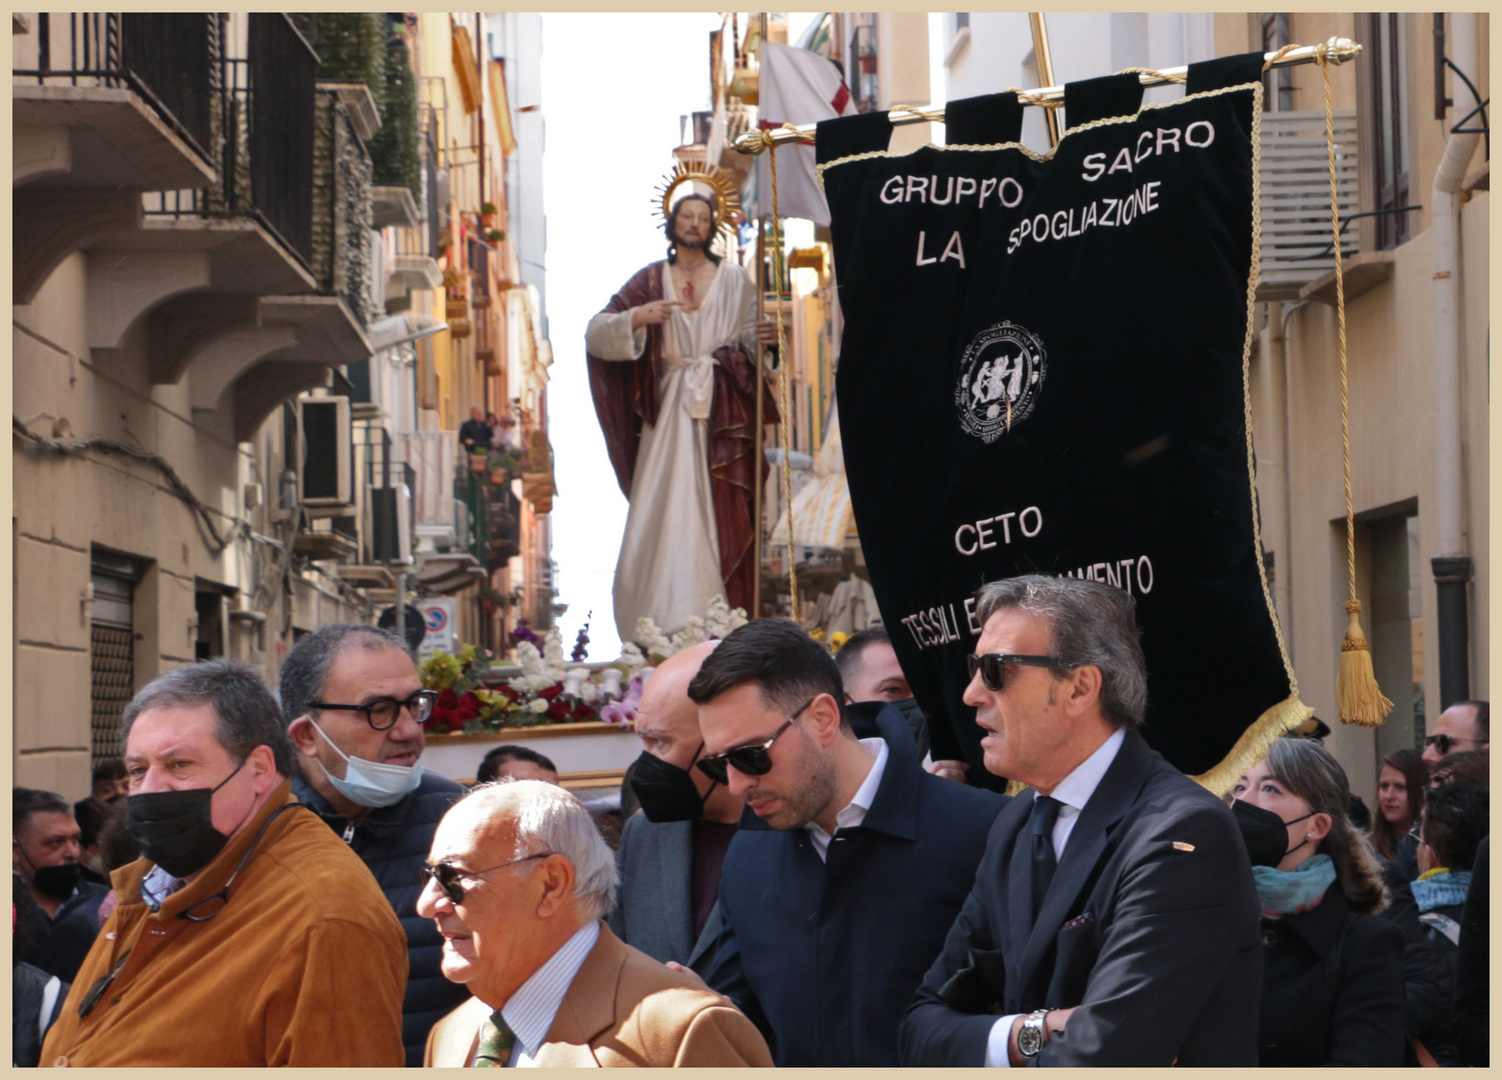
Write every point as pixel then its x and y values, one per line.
pixel 850 862
pixel 246 935
pixel 355 707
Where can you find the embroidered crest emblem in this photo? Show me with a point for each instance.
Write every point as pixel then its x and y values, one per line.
pixel 1001 374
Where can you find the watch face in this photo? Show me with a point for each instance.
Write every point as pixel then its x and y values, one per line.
pixel 1029 1039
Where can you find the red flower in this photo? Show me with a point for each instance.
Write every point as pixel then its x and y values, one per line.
pixel 559 710
pixel 551 692
pixel 583 712
pixel 447 699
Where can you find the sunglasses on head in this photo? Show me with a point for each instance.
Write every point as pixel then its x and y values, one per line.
pixel 992 666
pixel 751 760
pixel 1443 743
pixel 448 876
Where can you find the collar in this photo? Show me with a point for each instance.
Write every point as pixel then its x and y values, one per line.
pixel 854 814
pixel 157 885
pixel 1076 788
pixel 384 819
pixel 530 1012
pixel 1321 925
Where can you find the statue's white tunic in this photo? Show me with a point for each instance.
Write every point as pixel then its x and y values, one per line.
pixel 669 567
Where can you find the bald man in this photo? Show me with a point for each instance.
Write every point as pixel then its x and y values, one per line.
pixel 672 850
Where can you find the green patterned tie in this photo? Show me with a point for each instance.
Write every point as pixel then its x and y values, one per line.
pixel 496 1040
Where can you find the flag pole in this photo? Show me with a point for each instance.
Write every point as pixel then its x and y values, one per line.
pixel 756 464
pixel 1044 63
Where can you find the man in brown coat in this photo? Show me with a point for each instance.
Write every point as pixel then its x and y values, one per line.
pixel 518 882
pixel 248 934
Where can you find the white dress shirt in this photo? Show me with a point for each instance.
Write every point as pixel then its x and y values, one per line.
pixel 1074 792
pixel 855 813
pixel 530 1012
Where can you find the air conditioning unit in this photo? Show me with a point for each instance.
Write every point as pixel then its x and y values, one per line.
pixel 391 524
pixel 325 473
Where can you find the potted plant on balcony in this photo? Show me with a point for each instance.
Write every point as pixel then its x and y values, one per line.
pixel 494 236
pixel 487 214
pixel 504 465
pixel 477 462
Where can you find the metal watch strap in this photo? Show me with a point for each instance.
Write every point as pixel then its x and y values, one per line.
pixel 1032 1035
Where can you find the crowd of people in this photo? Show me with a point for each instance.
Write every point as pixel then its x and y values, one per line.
pixel 801 884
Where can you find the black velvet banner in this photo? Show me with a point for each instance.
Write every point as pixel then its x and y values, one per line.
pixel 1043 370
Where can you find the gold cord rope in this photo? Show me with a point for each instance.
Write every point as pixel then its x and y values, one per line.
pixel 1034 99
pixel 1340 316
pixel 782 383
pixel 1285 50
pixel 1176 77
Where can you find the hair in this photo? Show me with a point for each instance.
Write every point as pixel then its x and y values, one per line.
pixel 1456 819
pixel 246 715
pixel 788 667
pixel 117 847
pixel 111 768
pixel 1307 770
pixel 849 658
pixel 26 803
pixel 670 224
pixel 1483 717
pixel 91 816
pixel 1409 762
pixel 490 765
pixel 24 938
pixel 306 667
pixel 1092 624
pixel 550 819
pixel 1469 766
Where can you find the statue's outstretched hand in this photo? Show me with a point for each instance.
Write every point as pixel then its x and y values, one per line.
pixel 766 332
pixel 652 313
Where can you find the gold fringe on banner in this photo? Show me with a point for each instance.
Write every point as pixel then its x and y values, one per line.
pixel 1254 744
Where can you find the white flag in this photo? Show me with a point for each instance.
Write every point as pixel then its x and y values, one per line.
pixel 796 87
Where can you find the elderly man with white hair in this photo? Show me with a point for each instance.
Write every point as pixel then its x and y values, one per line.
pixel 518 881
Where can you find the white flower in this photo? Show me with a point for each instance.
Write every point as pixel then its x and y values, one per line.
pixel 538 705
pixel 631 656
pixel 519 684
pixel 540 681
pixel 588 692
pixel 737 618
pixel 693 633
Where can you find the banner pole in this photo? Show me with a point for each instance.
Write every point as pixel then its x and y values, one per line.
pixel 758 495
pixel 1336 51
pixel 1044 64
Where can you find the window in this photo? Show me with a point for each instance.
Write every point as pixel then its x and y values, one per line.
pixel 1386 59
pixel 1277 94
pixel 1396 624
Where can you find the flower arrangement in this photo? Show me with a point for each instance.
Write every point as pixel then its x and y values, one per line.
pixel 548 690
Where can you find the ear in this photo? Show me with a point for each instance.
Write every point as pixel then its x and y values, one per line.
pixel 303 736
pixel 1083 690
pixel 823 714
pixel 556 878
pixel 1320 827
pixel 261 763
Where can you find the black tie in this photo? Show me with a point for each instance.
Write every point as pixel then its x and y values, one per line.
pixel 1045 813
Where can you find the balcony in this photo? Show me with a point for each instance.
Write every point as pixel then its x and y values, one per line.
pixel 285 295
pixel 105 105
pixel 431 456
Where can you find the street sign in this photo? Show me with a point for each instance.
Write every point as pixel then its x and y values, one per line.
pixel 438 618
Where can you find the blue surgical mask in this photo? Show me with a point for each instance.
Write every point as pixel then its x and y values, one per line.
pixel 370 783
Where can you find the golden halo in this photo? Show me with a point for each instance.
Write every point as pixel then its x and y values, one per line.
pixel 727 195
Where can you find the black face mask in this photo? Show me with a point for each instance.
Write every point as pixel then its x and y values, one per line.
pixel 58 882
pixel 175 829
pixel 666 792
pixel 1265 833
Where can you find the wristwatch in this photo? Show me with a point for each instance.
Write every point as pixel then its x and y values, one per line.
pixel 1032 1035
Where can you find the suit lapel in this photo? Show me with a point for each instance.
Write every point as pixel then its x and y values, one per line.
pixel 587 1009
pixel 1019 887
pixel 1112 798
pixel 456 1036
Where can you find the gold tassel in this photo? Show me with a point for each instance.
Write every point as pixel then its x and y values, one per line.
pixel 1356 693
pixel 1254 744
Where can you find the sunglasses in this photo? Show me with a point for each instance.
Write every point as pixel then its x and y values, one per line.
pixel 751 760
pixel 448 876
pixel 382 713
pixel 992 666
pixel 1443 743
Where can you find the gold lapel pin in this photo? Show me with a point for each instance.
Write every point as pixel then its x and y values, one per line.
pixel 1179 845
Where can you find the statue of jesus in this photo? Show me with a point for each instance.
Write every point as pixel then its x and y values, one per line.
pixel 671 372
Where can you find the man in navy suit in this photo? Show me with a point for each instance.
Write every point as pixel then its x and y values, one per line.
pixel 1114 919
pixel 850 863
